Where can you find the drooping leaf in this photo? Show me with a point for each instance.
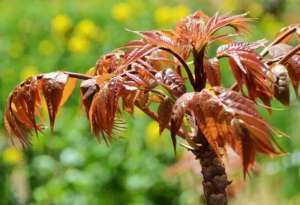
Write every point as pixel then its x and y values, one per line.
pixel 226 117
pixel 53 85
pixel 248 69
pixel 164 114
pixel 68 90
pixel 24 102
pixel 88 88
pixel 103 108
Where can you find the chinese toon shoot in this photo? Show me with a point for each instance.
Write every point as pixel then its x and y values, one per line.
pixel 154 70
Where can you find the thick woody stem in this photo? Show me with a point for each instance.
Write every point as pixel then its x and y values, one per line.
pixel 215 179
pixel 214 175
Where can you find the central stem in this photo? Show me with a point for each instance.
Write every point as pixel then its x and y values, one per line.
pixel 214 175
pixel 200 76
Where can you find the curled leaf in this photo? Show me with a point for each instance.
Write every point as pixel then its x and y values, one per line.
pixel 281 84
pixel 172 81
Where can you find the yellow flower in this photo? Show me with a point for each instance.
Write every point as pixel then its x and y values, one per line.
pixel 163 15
pixel 166 15
pixel 179 12
pixel 12 156
pixel 121 12
pixel 270 25
pixel 16 49
pixel 28 71
pixel 228 5
pixel 78 45
pixel 255 9
pixel 46 47
pixel 87 28
pixel 61 24
pixel 153 138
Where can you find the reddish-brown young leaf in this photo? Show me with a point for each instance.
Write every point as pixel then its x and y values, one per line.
pixel 172 81
pixel 24 102
pixel 248 69
pixel 167 40
pixel 109 62
pixel 293 67
pixel 19 117
pixel 164 113
pixel 239 23
pixel 136 54
pixel 212 70
pixel 104 105
pixel 226 117
pixel 197 30
pixel 88 89
pixel 53 85
pixel 245 146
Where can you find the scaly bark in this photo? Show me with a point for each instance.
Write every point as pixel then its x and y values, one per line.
pixel 214 175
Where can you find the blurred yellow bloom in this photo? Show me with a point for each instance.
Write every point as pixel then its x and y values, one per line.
pixel 255 9
pixel 180 12
pixel 163 15
pixel 16 49
pixel 61 24
pixel 78 44
pixel 270 25
pixel 166 15
pixel 28 71
pixel 87 28
pixel 153 138
pixel 46 47
pixel 12 155
pixel 121 12
pixel 228 5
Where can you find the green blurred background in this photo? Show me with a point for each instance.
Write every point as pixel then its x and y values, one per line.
pixel 139 167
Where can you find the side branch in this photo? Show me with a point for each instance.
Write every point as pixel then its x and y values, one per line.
pixel 289 54
pixel 279 39
pixel 154 116
pixel 183 63
pixel 78 75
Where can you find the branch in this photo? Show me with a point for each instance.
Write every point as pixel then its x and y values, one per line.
pixel 78 75
pixel 289 54
pixel 278 39
pixel 154 116
pixel 183 63
pixel 200 76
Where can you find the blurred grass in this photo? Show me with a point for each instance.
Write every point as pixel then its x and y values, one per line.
pixel 69 166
